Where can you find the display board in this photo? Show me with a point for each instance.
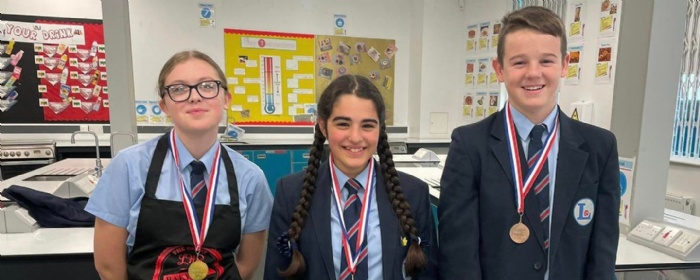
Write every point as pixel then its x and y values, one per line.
pixel 373 58
pixel 270 76
pixel 52 70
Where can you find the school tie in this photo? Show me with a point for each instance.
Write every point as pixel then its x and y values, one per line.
pixel 197 185
pixel 351 214
pixel 541 186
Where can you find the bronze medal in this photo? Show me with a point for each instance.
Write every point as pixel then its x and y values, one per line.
pixel 198 270
pixel 519 233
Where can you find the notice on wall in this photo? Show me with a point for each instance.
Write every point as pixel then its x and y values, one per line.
pixel 573 73
pixel 626 184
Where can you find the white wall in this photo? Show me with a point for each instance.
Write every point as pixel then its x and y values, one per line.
pixel 430 35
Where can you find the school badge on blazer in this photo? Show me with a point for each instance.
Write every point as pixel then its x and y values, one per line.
pixel 583 211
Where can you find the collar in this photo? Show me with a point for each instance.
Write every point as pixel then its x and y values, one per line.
pixel 524 125
pixel 362 177
pixel 186 158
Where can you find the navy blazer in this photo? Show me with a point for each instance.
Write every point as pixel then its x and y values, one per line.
pixel 477 207
pixel 315 240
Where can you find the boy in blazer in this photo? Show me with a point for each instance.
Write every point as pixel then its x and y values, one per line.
pixel 529 193
pixel 314 231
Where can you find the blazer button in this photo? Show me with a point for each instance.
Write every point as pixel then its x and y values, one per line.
pixel 538 266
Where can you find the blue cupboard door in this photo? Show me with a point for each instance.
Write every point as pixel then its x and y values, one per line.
pixel 275 163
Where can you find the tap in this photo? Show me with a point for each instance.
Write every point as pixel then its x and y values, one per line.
pixel 98 162
pixel 111 139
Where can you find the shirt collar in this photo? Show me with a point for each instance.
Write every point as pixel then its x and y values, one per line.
pixel 524 125
pixel 186 158
pixel 342 178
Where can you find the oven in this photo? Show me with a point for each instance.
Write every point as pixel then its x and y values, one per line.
pixel 19 157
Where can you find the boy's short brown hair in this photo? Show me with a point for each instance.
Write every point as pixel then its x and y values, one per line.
pixel 534 18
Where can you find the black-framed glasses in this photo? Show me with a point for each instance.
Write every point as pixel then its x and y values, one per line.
pixel 205 89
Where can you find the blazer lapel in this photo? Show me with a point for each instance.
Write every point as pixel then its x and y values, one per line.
pixel 321 216
pixel 500 148
pixel 389 225
pixel 570 163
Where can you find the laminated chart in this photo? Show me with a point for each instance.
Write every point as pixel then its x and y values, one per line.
pixel 270 76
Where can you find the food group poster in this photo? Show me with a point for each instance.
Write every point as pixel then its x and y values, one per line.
pixel 52 70
pixel 372 58
pixel 270 76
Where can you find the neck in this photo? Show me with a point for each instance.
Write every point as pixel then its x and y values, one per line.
pixel 536 116
pixel 197 143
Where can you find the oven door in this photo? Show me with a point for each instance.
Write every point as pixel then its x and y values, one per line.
pixel 12 168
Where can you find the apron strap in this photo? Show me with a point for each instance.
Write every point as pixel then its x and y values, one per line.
pixel 157 165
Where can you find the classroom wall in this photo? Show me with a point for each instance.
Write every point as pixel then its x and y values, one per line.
pixel 431 36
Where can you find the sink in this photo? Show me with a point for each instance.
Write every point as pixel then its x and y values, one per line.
pixel 49 178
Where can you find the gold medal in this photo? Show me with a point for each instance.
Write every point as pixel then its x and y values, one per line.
pixel 198 270
pixel 519 232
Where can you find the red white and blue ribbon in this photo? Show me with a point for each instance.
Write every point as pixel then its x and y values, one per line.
pixel 523 185
pixel 351 258
pixel 198 231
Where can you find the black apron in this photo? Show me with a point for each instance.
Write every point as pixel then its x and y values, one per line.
pixel 163 247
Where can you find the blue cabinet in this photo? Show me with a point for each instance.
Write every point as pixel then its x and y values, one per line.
pixel 275 163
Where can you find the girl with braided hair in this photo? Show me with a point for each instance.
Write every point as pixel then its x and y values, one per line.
pixel 348 216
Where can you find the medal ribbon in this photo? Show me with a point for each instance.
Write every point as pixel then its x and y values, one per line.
pixel 198 231
pixel 350 258
pixel 522 188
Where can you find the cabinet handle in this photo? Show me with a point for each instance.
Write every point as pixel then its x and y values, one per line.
pixel 262 156
pixel 305 155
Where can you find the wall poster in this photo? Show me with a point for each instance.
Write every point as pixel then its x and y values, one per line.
pixel 270 76
pixel 52 70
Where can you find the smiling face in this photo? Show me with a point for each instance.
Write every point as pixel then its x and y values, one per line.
pixel 531 68
pixel 352 131
pixel 195 115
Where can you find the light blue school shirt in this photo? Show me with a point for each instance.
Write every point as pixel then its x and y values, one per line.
pixel 524 127
pixel 117 197
pixel 374 232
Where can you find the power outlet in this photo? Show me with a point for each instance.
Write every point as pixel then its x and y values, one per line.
pixel 96 128
pixel 647 230
pixel 685 242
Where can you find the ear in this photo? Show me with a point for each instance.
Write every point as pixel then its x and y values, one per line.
pixel 498 68
pixel 227 101
pixel 322 126
pixel 163 108
pixel 565 64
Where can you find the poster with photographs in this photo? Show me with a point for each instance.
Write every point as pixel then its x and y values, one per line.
pixel 468 105
pixel 470 75
pixel 493 102
pixel 484 35
pixel 573 73
pixel 472 31
pixel 576 22
pixel 605 65
pixel 372 58
pixel 483 72
pixel 609 18
pixel 481 104
pixel 495 29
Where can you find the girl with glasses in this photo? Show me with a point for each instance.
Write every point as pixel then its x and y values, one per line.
pixel 182 205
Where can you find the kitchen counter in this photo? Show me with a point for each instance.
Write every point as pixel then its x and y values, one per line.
pixel 72 166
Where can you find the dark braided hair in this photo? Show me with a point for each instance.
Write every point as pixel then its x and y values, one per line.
pixel 363 88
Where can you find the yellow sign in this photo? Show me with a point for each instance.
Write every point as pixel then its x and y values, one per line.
pixel 575 29
pixel 574 115
pixel 572 72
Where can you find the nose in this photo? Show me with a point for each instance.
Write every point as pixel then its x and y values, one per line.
pixel 534 70
pixel 194 95
pixel 355 134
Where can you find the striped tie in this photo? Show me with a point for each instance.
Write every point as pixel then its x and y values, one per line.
pixel 541 186
pixel 199 188
pixel 351 214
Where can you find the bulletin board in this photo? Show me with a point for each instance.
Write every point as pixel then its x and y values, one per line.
pixel 372 58
pixel 56 68
pixel 270 76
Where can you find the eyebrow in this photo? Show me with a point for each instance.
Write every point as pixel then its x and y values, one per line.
pixel 520 56
pixel 207 78
pixel 341 118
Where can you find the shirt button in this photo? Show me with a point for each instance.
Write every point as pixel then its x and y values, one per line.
pixel 537 266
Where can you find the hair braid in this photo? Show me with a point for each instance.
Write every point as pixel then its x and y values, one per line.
pixel 297 266
pixel 415 259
